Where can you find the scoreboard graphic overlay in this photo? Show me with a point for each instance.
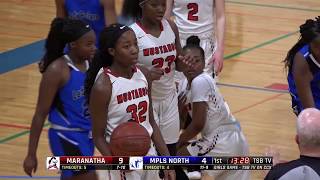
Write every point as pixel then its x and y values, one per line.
pixel 160 162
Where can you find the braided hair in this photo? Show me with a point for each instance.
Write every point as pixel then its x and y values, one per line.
pixel 309 31
pixel 62 31
pixel 108 39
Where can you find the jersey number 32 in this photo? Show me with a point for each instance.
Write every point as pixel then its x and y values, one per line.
pixel 138 112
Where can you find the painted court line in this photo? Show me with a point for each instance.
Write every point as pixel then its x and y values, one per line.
pixel 253 88
pixel 273 6
pixel 28 177
pixel 259 45
pixel 14 136
pixel 257 103
pixel 18 126
pixel 14 126
pixel 21 56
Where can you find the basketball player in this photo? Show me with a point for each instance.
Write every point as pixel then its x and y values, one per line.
pixel 205 19
pixel 96 13
pixel 120 92
pixel 303 65
pixel 158 46
pixel 220 133
pixel 61 95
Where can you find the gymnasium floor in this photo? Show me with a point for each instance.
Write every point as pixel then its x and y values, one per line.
pixel 253 82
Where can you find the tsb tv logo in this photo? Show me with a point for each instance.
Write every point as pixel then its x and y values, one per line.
pixel 53 163
pixel 136 163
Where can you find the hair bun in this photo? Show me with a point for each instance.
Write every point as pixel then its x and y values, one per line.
pixel 193 40
pixel 307 25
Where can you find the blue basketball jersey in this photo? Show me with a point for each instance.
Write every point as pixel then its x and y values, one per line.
pixel 90 11
pixel 314 67
pixel 70 109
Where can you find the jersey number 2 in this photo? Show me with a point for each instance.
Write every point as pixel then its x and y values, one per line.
pixel 140 116
pixel 193 9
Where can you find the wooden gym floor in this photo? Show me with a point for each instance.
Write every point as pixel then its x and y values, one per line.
pixel 259 34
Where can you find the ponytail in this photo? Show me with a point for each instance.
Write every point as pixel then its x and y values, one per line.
pixel 54 44
pixel 99 61
pixel 292 52
pixel 309 31
pixel 62 31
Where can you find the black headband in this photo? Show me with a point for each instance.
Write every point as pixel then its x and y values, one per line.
pixel 74 29
pixel 115 31
pixel 80 33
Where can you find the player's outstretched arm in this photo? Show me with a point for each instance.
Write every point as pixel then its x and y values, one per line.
pixel 221 26
pixel 52 79
pixel 99 99
pixel 182 61
pixel 302 77
pixel 60 9
pixel 110 15
pixel 168 12
pixel 199 113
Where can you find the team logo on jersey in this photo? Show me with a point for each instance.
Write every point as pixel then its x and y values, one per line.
pixel 136 163
pixel 53 163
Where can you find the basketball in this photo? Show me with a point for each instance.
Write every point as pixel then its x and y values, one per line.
pixel 130 139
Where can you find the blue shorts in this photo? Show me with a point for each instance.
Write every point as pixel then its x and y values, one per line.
pixel 71 143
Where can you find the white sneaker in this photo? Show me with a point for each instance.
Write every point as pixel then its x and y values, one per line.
pixel 194 175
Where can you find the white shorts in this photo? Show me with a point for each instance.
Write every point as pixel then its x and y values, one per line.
pixel 166 115
pixel 208 44
pixel 225 143
pixel 132 175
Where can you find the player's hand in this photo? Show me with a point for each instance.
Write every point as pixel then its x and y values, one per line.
pixel 188 59
pixel 181 144
pixel 156 73
pixel 30 164
pixel 169 174
pixel 217 60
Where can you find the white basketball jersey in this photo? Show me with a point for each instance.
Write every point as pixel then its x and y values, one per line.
pixel 203 89
pixel 159 52
pixel 129 101
pixel 194 16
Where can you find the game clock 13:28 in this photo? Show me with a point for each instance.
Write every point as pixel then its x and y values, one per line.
pixel 239 160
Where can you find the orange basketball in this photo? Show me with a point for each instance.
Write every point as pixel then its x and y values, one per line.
pixel 130 139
